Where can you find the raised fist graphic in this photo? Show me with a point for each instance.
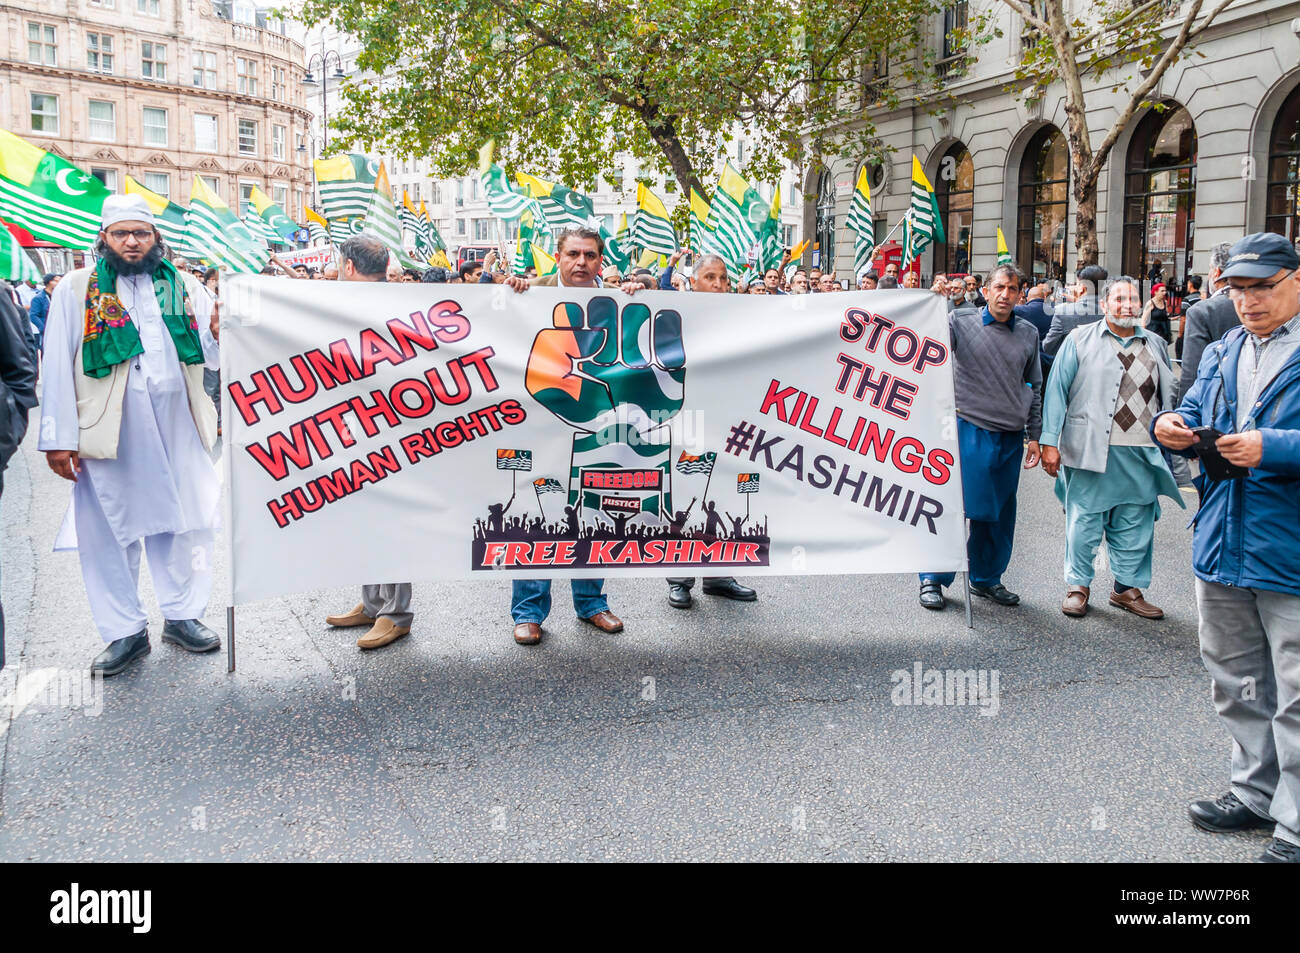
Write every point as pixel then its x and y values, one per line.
pixel 617 378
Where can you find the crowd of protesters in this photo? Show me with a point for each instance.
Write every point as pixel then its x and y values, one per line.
pixel 1082 378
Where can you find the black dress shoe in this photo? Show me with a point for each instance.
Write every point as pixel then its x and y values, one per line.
pixel 730 589
pixel 1225 814
pixel 191 635
pixel 679 596
pixel 932 595
pixel 121 653
pixel 1280 852
pixel 999 594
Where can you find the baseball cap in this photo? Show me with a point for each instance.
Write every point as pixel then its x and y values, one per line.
pixel 1260 256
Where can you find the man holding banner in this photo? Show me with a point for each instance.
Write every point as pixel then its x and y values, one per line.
pixel 385 607
pixel 999 389
pixel 126 419
pixel 579 251
pixel 710 276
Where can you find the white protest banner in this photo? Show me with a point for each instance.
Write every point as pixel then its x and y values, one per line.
pixel 408 432
pixel 317 257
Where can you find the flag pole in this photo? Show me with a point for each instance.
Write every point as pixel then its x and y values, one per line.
pixel 538 494
pixel 705 499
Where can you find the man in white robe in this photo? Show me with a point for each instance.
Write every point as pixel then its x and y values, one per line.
pixel 135 437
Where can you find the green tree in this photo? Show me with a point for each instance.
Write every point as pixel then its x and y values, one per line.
pixel 1127 45
pixel 564 87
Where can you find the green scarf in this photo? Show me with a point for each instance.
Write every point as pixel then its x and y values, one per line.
pixel 111 337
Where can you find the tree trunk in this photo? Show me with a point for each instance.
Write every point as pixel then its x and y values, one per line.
pixel 1085 216
pixel 664 132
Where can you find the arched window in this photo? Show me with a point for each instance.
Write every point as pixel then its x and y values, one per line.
pixel 1160 197
pixel 954 187
pixel 824 250
pixel 1041 222
pixel 1282 214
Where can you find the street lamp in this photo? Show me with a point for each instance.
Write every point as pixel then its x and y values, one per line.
pixel 323 57
pixel 317 148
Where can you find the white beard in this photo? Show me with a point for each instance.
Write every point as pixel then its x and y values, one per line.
pixel 1134 322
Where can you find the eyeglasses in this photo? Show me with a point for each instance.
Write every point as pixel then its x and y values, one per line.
pixel 1256 291
pixel 139 234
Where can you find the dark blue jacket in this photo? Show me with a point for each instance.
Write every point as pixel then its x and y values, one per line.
pixel 1248 530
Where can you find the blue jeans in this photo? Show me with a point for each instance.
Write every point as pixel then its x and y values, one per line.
pixel 530 599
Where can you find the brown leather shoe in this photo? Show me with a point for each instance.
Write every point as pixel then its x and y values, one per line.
pixel 1131 600
pixel 356 617
pixel 382 633
pixel 1076 601
pixel 528 633
pixel 606 621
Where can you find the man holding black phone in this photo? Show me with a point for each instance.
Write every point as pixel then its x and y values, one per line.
pixel 1245 552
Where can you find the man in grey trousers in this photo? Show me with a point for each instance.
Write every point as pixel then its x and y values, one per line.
pixel 1244 551
pixel 385 607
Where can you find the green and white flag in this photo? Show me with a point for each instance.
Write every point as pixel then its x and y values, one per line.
pixel 15 264
pixel 317 228
pixel 505 201
pixel 168 218
pixel 560 204
pixel 770 247
pixel 735 215
pixel 346 183
pixel 416 226
pixel 48 196
pixel 259 229
pixel 651 228
pixel 439 244
pixel 864 243
pixel 281 226
pixel 381 221
pixel 922 224
pixel 221 237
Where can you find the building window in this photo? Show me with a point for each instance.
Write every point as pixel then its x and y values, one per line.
pixel 435 193
pixel 103 120
pixel 483 229
pixel 1043 217
pixel 159 182
pixel 473 190
pixel 954 188
pixel 280 196
pixel 1160 197
pixel 787 236
pixel 41 47
pixel 415 193
pixel 247 137
pixel 824 243
pixel 107 176
pixel 246 198
pixel 153 61
pixel 278 136
pixel 205 133
pixel 155 126
pixel 245 13
pixel 205 69
pixel 278 86
pixel 1282 212
pixel 952 59
pixel 104 4
pixel 460 226
pixel 45 113
pixel 99 52
pixel 213 184
pixel 245 76
pixel 149 7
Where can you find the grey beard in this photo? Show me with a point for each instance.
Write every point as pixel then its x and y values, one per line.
pixel 1133 322
pixel 145 266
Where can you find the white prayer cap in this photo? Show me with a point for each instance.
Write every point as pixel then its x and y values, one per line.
pixel 126 208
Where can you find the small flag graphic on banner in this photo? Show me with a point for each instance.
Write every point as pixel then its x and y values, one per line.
pixel 696 463
pixel 747 483
pixel 514 459
pixel 547 485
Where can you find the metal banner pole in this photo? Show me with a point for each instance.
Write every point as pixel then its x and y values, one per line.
pixel 230 638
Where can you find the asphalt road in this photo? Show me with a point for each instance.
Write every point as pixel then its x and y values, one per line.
pixel 767 732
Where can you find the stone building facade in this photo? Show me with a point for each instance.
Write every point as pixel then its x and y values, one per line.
pixel 160 90
pixel 1218 158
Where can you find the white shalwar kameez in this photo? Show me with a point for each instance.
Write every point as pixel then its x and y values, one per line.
pixel 161 492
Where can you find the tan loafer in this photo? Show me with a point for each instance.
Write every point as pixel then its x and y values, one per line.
pixel 1076 601
pixel 528 633
pixel 1131 601
pixel 356 617
pixel 382 633
pixel 605 621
